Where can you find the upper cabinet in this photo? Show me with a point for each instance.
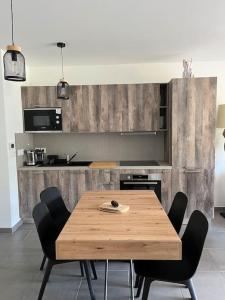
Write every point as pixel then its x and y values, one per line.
pixel 193 122
pixel 102 108
pixel 39 96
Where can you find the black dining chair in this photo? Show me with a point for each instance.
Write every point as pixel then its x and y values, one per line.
pixel 48 233
pixel 52 198
pixel 177 210
pixel 176 216
pixel 180 272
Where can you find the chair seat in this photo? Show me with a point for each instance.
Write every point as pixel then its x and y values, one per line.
pixel 176 271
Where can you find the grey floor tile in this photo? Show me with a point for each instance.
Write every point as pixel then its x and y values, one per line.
pixel 118 287
pixel 20 278
pixel 207 262
pixel 217 257
pixel 208 286
pixel 165 291
pixel 215 240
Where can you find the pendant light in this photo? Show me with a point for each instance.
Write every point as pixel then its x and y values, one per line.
pixel 13 59
pixel 63 87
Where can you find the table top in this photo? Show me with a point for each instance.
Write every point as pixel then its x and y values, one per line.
pixel 144 232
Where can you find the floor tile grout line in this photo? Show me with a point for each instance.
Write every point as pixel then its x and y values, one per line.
pixel 78 290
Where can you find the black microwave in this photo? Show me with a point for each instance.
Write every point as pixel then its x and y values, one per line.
pixel 43 119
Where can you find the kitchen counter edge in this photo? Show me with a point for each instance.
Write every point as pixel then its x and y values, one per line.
pixel 36 168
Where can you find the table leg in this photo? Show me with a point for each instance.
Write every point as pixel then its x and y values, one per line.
pixel 88 276
pixel 106 279
pixel 131 280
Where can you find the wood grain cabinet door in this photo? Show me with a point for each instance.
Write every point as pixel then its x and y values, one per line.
pixel 30 183
pixel 39 96
pixel 72 186
pixel 143 107
pixel 193 122
pixel 80 112
pixel 113 108
pixel 198 185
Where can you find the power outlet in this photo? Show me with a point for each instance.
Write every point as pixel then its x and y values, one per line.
pixel 20 152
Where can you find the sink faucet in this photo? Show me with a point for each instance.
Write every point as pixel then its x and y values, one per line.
pixel 69 159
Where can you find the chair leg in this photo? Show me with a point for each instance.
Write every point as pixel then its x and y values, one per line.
pixel 131 280
pixel 147 284
pixel 140 284
pixel 45 279
pixel 43 263
pixel 87 272
pixel 93 270
pixel 81 269
pixel 190 286
pixel 106 280
pixel 136 281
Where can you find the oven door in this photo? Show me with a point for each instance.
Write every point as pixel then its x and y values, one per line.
pixel 39 120
pixel 154 185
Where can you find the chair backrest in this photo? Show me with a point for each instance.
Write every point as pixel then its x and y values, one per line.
pixel 53 200
pixel 193 240
pixel 46 229
pixel 177 210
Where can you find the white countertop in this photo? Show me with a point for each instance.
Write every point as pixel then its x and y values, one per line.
pixel 162 166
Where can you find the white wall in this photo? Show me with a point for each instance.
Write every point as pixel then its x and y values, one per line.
pixel 138 73
pixel 10 122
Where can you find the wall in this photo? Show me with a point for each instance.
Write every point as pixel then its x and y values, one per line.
pixel 10 122
pixel 24 141
pixel 96 147
pixel 139 73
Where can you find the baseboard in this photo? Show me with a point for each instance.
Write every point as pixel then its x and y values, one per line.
pixel 28 221
pixel 12 229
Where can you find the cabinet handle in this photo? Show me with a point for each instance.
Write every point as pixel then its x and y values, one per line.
pixel 192 170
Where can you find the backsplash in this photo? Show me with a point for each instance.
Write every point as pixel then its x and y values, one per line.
pixel 100 147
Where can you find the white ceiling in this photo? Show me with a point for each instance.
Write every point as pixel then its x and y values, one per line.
pixel 116 31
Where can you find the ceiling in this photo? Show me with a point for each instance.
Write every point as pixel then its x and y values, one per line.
pixel 116 31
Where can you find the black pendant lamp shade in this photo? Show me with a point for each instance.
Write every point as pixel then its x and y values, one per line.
pixel 63 88
pixel 13 60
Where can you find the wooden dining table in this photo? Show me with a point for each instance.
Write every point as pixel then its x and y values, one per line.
pixel 144 232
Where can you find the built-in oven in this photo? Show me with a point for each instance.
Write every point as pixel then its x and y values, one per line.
pixel 140 182
pixel 43 119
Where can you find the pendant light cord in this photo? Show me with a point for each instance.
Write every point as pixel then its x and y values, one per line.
pixel 62 64
pixel 12 21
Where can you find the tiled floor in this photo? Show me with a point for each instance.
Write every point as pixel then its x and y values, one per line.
pixel 20 278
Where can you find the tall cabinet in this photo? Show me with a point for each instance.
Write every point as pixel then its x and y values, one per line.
pixel 193 107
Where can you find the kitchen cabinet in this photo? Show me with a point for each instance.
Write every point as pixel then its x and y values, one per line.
pixel 73 183
pixel 193 116
pixel 39 96
pixel 143 107
pixel 198 185
pixel 80 112
pixel 128 108
pixel 102 108
pixel 102 179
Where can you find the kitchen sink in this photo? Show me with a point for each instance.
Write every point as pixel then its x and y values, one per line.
pixel 71 164
pixel 79 163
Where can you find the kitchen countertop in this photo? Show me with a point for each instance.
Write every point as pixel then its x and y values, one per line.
pixel 162 166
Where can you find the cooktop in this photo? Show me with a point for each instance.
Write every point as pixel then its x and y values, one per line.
pixel 139 163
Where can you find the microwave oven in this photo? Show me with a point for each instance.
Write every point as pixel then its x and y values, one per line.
pixel 43 119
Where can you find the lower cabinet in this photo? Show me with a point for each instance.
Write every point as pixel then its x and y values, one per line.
pixel 198 184
pixel 73 183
